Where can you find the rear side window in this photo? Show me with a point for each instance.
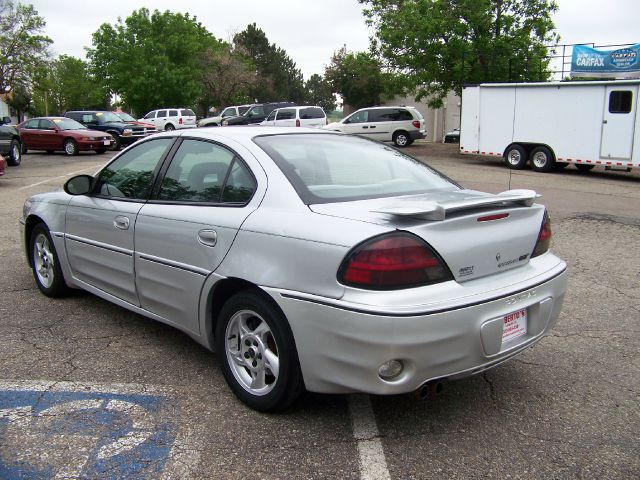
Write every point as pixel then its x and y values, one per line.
pixel 45 124
pixel 198 173
pixel 173 113
pixel 620 101
pixel 390 115
pixel 402 114
pixel 187 113
pixel 312 112
pixel 286 114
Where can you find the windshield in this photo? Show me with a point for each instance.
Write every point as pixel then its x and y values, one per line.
pixel 108 117
pixel 253 111
pixel 326 168
pixel 126 117
pixel 67 124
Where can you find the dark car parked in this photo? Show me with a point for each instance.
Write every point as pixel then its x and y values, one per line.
pixel 10 142
pixel 256 113
pixel 122 132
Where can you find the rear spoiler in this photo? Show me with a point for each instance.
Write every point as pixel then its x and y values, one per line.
pixel 438 211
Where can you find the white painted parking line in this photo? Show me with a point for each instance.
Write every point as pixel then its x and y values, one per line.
pixel 76 429
pixel 59 176
pixel 373 464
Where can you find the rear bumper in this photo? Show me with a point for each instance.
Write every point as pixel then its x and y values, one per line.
pixel 341 347
pixel 416 135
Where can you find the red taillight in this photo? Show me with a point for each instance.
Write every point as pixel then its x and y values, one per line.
pixel 394 261
pixel 544 237
pixel 297 122
pixel 180 120
pixel 416 123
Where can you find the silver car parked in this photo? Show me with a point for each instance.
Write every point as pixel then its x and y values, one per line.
pixel 305 258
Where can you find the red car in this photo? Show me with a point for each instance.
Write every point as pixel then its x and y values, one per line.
pixel 3 165
pixel 60 133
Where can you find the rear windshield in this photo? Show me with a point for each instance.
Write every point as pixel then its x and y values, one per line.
pixel 325 168
pixel 187 113
pixel 311 112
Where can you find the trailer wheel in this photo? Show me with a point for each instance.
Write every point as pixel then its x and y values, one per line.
pixel 542 159
pixel 584 167
pixel 515 157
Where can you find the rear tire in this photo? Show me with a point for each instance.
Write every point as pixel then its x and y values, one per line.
pixel 257 352
pixel 51 152
pixel 515 157
pixel 45 263
pixel 169 127
pixel 584 167
pixel 100 151
pixel 542 159
pixel 15 153
pixel 401 139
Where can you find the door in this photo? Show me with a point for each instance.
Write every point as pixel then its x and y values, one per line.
pixel 286 117
pixel 100 227
pixel 357 123
pixel 186 229
pixel 29 134
pixel 49 136
pixel 618 122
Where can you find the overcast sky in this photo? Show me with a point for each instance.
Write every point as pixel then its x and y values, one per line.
pixel 310 30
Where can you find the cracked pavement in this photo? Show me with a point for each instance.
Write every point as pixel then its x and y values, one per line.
pixel 566 408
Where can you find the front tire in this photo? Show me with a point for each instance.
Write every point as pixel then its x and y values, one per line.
pixel 15 153
pixel 515 157
pixel 542 159
pixel 117 144
pixel 45 264
pixel 100 151
pixel 401 139
pixel 258 352
pixel 70 147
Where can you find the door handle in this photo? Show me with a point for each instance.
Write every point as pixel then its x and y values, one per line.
pixel 372 126
pixel 121 222
pixel 208 238
pixel 604 121
pixel 365 127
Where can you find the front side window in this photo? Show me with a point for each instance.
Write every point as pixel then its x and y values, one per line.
pixel 272 116
pixel 130 176
pixel 620 101
pixel 358 117
pixel 31 124
pixel 286 114
pixel 327 168
pixel 150 115
pixel 162 113
pixel 198 173
pixel 228 112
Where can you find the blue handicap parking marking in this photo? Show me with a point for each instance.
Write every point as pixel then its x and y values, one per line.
pixel 83 434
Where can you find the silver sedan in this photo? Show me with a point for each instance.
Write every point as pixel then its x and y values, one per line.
pixel 306 259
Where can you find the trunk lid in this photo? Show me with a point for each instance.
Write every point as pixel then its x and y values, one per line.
pixel 476 233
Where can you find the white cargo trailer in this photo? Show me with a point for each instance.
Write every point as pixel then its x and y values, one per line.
pixel 550 125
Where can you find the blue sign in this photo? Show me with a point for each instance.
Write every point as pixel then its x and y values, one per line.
pixel 621 63
pixel 72 434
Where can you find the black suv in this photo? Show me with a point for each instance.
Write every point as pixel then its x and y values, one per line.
pixel 10 143
pixel 256 113
pixel 122 133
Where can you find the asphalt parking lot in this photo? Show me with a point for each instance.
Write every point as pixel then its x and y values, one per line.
pixel 88 389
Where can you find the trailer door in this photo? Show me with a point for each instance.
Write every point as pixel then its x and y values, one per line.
pixel 618 122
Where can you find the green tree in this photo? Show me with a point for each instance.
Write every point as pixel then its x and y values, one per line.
pixel 437 45
pixel 319 92
pixel 278 77
pixel 152 60
pixel 67 83
pixel 20 100
pixel 227 78
pixel 358 77
pixel 23 48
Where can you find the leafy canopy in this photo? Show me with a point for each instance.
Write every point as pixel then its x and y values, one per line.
pixel 23 48
pixel 437 45
pixel 152 60
pixel 357 77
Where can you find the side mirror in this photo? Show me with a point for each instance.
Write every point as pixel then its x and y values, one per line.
pixel 79 185
pixel 6 120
